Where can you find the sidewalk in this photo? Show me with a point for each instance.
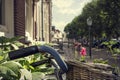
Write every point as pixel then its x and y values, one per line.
pixel 96 54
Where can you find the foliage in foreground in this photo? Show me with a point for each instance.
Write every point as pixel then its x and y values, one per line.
pixel 19 69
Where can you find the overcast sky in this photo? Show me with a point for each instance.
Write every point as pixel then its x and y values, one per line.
pixel 63 11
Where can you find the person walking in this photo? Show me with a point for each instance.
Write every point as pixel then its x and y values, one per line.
pixel 82 53
pixel 77 50
pixel 60 36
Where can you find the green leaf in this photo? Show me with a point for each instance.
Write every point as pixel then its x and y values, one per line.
pixel 4 40
pixel 38 76
pixel 14 66
pixel 1 58
pixel 25 74
pixel 15 39
pixel 6 72
pixel 14 46
pixel 17 43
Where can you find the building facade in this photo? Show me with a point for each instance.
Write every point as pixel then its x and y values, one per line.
pixel 46 16
pixel 25 18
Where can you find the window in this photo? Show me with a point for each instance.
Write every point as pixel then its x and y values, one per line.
pixel 2 12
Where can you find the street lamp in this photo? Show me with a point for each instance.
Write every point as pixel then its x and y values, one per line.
pixel 89 23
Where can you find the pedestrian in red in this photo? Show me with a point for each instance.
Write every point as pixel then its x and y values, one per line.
pixel 82 52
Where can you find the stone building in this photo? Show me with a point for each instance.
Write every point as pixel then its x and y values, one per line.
pixel 28 18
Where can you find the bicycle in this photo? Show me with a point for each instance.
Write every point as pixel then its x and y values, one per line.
pixel 53 55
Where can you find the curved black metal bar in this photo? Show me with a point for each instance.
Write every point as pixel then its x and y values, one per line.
pixel 23 52
pixel 35 49
pixel 38 63
pixel 56 56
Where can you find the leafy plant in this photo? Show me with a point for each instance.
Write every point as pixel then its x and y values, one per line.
pixel 9 43
pixel 115 52
pixel 9 70
pixel 100 61
pixel 109 45
pixel 20 68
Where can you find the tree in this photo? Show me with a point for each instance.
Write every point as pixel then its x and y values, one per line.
pixel 105 15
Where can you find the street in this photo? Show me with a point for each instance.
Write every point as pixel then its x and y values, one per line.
pixel 96 54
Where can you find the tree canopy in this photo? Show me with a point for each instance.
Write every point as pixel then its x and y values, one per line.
pixel 105 15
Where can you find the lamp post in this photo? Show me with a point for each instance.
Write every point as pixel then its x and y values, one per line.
pixel 89 23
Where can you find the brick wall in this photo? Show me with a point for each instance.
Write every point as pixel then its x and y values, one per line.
pixel 19 18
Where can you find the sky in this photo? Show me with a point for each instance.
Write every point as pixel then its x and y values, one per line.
pixel 64 11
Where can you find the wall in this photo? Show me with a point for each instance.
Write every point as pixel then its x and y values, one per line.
pixel 29 20
pixel 8 29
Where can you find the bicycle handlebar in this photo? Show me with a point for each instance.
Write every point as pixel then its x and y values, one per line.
pixel 35 49
pixel 23 52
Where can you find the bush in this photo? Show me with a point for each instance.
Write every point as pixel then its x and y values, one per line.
pixel 100 61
